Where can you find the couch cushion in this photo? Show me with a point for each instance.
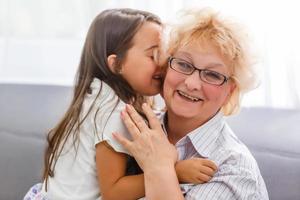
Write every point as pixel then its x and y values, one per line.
pixel 21 163
pixel 272 135
pixel 27 113
pixel 32 108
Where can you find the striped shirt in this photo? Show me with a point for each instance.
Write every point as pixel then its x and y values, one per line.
pixel 238 176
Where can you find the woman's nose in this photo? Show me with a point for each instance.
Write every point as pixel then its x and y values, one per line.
pixel 193 81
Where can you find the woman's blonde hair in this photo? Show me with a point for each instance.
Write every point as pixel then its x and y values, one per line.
pixel 208 26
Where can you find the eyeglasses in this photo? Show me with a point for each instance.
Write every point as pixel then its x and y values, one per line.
pixel 207 76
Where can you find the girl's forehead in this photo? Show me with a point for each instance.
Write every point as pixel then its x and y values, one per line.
pixel 147 37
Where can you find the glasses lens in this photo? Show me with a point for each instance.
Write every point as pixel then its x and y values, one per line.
pixel 212 77
pixel 182 66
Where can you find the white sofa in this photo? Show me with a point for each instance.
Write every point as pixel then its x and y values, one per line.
pixel 27 112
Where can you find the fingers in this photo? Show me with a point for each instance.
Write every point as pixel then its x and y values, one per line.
pixel 153 121
pixel 210 164
pixel 203 178
pixel 206 162
pixel 207 170
pixel 136 119
pixel 130 125
pixel 123 141
pixel 206 166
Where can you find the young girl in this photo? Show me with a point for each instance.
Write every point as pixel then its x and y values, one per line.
pixel 118 65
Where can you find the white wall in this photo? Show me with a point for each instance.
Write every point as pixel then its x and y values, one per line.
pixel 41 41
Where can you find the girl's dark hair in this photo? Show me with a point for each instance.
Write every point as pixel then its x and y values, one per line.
pixel 111 32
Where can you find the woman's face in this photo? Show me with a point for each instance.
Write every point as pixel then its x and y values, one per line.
pixel 140 68
pixel 187 96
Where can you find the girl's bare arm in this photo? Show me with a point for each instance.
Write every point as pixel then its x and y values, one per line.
pixel 111 169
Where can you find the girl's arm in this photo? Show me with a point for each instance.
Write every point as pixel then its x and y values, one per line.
pixel 195 170
pixel 111 169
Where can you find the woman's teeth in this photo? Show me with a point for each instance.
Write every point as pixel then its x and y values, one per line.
pixel 195 99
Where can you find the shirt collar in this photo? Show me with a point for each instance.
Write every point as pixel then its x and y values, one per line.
pixel 203 138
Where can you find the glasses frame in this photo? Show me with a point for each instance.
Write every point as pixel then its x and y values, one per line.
pixel 196 69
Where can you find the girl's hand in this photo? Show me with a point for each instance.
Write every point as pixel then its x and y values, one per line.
pixel 195 170
pixel 150 146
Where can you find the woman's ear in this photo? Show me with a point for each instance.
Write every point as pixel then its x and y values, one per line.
pixel 232 87
pixel 112 63
pixel 231 92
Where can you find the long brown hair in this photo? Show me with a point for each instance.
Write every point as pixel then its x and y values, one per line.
pixel 111 32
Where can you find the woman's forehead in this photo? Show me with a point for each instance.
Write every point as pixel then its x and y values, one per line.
pixel 201 53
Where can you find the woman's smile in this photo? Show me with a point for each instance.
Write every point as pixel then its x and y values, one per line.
pixel 188 97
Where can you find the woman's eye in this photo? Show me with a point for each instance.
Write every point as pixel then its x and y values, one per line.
pixel 211 75
pixel 184 66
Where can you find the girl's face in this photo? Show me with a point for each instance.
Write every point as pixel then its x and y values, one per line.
pixel 187 96
pixel 140 68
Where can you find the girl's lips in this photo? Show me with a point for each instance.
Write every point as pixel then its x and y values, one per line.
pixel 157 76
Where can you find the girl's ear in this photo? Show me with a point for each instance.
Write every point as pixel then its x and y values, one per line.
pixel 112 63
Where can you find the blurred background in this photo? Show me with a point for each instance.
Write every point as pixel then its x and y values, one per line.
pixel 41 40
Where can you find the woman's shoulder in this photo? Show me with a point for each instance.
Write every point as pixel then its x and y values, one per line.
pixel 233 149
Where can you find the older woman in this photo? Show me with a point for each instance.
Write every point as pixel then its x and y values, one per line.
pixel 208 71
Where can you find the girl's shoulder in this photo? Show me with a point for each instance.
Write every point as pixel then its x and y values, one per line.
pixel 102 93
pixel 98 85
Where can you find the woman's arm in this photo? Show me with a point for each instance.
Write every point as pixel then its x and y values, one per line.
pixel 161 183
pixel 154 154
pixel 111 169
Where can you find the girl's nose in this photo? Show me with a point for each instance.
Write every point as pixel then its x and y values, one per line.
pixel 193 81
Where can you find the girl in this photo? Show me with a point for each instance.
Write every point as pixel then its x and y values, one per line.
pixel 118 65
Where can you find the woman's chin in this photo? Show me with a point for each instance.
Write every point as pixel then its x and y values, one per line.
pixel 184 111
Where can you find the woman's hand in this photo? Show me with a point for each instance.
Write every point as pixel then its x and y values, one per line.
pixel 153 152
pixel 195 170
pixel 150 146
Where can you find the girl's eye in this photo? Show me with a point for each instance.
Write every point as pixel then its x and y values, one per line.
pixel 155 55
